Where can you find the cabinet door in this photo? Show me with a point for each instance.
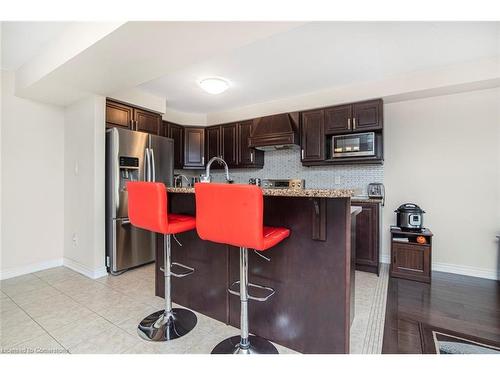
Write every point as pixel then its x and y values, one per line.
pixel 313 136
pixel 194 147
pixel 229 135
pixel 213 143
pixel 367 237
pixel 164 129
pixel 338 119
pixel 367 115
pixel 147 122
pixel 410 261
pixel 176 133
pixel 119 115
pixel 248 156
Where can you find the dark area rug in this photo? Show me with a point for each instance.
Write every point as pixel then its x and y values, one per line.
pixel 442 341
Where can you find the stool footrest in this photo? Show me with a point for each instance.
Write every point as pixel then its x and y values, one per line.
pixel 260 299
pixel 189 271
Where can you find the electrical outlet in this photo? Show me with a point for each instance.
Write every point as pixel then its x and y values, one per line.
pixel 75 240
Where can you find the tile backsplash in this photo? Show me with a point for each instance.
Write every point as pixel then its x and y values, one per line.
pixel 286 164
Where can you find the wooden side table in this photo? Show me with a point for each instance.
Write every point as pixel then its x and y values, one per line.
pixel 410 259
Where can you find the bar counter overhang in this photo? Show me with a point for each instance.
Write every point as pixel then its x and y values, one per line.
pixel 311 271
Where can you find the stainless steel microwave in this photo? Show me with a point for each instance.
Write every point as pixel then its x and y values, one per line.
pixel 349 145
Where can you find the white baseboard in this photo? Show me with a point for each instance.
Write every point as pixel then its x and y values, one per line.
pixel 466 270
pixel 458 269
pixel 85 270
pixel 30 268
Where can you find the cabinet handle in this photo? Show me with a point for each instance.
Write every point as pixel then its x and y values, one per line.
pixel 203 160
pixel 302 153
pixel 251 156
pixel 354 123
pixel 349 123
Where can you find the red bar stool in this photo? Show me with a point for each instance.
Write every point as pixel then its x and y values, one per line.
pixel 147 209
pixel 233 215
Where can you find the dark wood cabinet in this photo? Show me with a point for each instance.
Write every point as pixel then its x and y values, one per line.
pixel 410 259
pixel 176 132
pixel 213 142
pixel 338 119
pixel 194 147
pixel 313 136
pixel 229 136
pixel 367 115
pixel 318 127
pixel 247 156
pixel 129 117
pixel 147 122
pixel 368 237
pixel 119 115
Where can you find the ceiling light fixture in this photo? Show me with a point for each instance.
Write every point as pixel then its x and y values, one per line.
pixel 214 85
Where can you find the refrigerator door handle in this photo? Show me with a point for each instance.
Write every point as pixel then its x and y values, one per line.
pixel 153 167
pixel 146 164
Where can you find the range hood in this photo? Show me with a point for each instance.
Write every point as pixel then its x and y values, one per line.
pixel 276 132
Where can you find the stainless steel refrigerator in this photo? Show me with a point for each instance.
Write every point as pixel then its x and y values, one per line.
pixel 132 156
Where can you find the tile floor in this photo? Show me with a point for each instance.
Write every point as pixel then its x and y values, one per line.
pixel 60 311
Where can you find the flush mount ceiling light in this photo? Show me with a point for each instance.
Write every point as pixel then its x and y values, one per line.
pixel 214 85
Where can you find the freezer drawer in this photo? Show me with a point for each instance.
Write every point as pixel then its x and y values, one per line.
pixel 131 246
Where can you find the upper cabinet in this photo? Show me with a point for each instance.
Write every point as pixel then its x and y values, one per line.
pixel 176 132
pixel 230 142
pixel 213 142
pixel 194 147
pixel 119 115
pixel 128 117
pixel 338 119
pixel 312 136
pixel 356 117
pixel 229 137
pixel 247 156
pixel 367 115
pixel 147 122
pixel 319 126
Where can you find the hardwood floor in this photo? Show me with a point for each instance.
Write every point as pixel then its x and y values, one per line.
pixel 459 303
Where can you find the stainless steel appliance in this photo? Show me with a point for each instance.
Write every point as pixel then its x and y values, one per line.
pixel 410 216
pixel 132 156
pixel 278 184
pixel 349 145
pixel 376 190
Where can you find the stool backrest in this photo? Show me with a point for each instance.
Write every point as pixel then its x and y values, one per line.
pixel 147 205
pixel 230 214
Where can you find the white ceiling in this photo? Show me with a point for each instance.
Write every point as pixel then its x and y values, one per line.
pixel 21 41
pixel 323 55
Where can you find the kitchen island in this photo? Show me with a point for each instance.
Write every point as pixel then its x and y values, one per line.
pixel 311 271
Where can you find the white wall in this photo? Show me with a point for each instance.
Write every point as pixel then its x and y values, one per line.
pixel 84 237
pixel 32 164
pixel 443 154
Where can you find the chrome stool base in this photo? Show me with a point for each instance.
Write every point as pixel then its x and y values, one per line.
pixel 258 345
pixel 157 327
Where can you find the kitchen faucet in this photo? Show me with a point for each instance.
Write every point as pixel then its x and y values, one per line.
pixel 207 178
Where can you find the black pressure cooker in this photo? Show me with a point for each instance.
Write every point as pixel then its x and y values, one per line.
pixel 410 216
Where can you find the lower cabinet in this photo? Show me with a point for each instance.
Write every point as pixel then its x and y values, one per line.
pixel 368 237
pixel 411 258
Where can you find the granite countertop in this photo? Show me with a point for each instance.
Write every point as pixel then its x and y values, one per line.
pixel 314 193
pixel 365 199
